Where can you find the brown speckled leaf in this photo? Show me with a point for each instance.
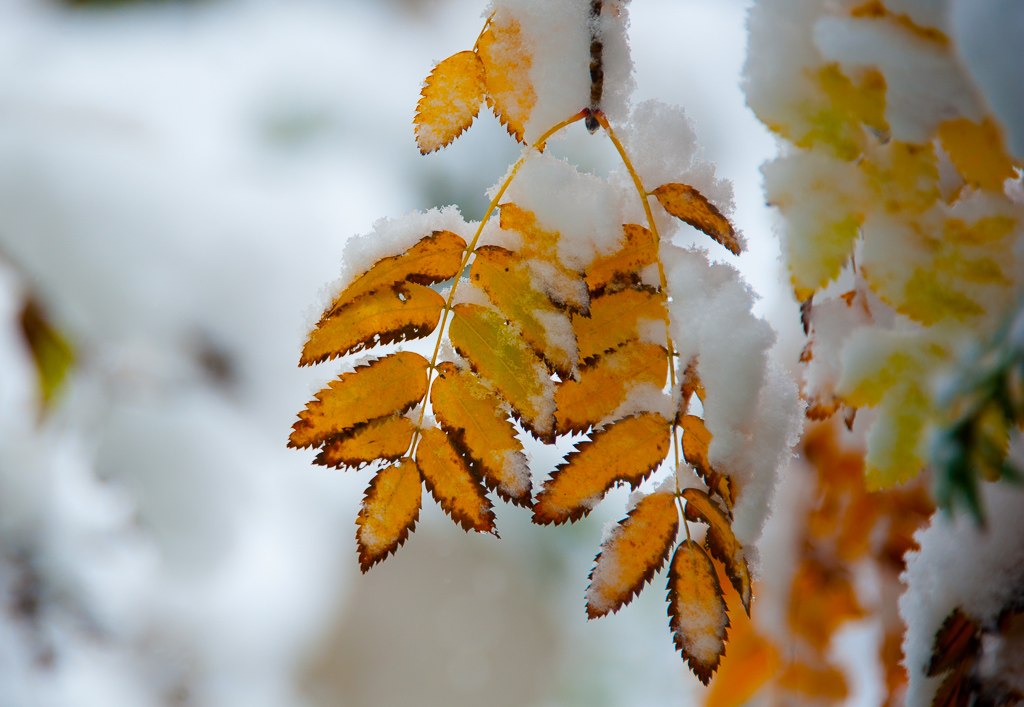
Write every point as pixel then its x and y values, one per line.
pixel 696 609
pixel 689 205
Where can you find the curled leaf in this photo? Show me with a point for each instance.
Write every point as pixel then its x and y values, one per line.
pixel 389 512
pixel 720 540
pixel 452 483
pixel 386 386
pixel 689 205
pixel 626 451
pixel 696 609
pixel 450 100
pixel 632 554
pixel 384 439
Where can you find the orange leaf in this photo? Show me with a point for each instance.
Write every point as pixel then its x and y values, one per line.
pixel 389 513
pixel 383 387
pixel 697 611
pixel 435 258
pixel 407 311
pixel 626 451
pixel 507 59
pixel 634 551
pixel 720 540
pixel 386 439
pixel 695 450
pixel 977 151
pixel 479 428
pixel 639 251
pixel 450 100
pixel 614 319
pixel 497 352
pixel 509 285
pixel 689 205
pixel 957 690
pixel 957 640
pixel 821 600
pixel 749 663
pixel 602 387
pixel 691 384
pixel 453 485
pixel 825 682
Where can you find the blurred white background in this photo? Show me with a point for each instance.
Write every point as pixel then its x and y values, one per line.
pixel 177 182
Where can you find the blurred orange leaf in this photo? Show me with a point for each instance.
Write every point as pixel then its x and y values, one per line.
pixel 826 682
pixel 689 205
pixel 696 609
pixel 750 662
pixel 821 600
pixel 389 512
pixel 450 100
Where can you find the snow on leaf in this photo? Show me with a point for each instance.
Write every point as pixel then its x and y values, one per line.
pixel 450 101
pixel 406 311
pixel 507 281
pixel 434 258
pixel 602 387
pixel 697 610
pixel 389 512
pixel 385 439
pixel 507 58
pixel 721 541
pixel 478 426
pixel 957 640
pixel 384 387
pixel 626 451
pixel 452 483
pixel 690 206
pixel 639 251
pixel 632 554
pixel 498 353
pixel 614 319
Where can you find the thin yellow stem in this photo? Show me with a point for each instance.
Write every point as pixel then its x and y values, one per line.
pixel 476 44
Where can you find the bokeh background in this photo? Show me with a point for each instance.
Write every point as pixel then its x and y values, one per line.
pixel 177 183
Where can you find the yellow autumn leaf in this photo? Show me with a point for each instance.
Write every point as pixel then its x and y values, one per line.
pixel 479 427
pixel 389 512
pixel 697 610
pixel 614 320
pixel 434 258
pixel 449 102
pixel 639 250
pixel 498 353
pixel 51 352
pixel 383 387
pixel 690 206
pixel 624 452
pixel 406 311
pixel 721 541
pixel 977 151
pixel 696 439
pixel 602 387
pixel 507 59
pixel 385 439
pixel 632 554
pixel 824 682
pixel 507 281
pixel 750 662
pixel 822 598
pixel 452 483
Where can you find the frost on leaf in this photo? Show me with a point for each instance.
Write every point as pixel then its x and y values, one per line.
pixel 622 266
pixel 452 483
pixel 614 319
pixel 450 101
pixel 689 205
pixel 697 610
pixel 389 512
pixel 435 258
pixel 632 554
pixel 478 426
pixel 498 354
pixel 721 541
pixel 624 452
pixel 386 386
pixel 384 439
pixel 507 59
pixel 406 311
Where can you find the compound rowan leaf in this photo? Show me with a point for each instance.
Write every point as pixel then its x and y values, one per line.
pixel 507 59
pixel 507 281
pixel 624 452
pixel 690 206
pixel 696 439
pixel 452 483
pixel 479 428
pixel 632 554
pixel 602 387
pixel 639 251
pixel 450 100
pixel 386 386
pixel 721 541
pixel 614 319
pixel 957 640
pixel 434 258
pixel 406 311
pixel 390 509
pixel 386 439
pixel 697 610
pixel 498 353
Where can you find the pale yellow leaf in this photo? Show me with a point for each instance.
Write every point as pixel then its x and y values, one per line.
pixel 389 512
